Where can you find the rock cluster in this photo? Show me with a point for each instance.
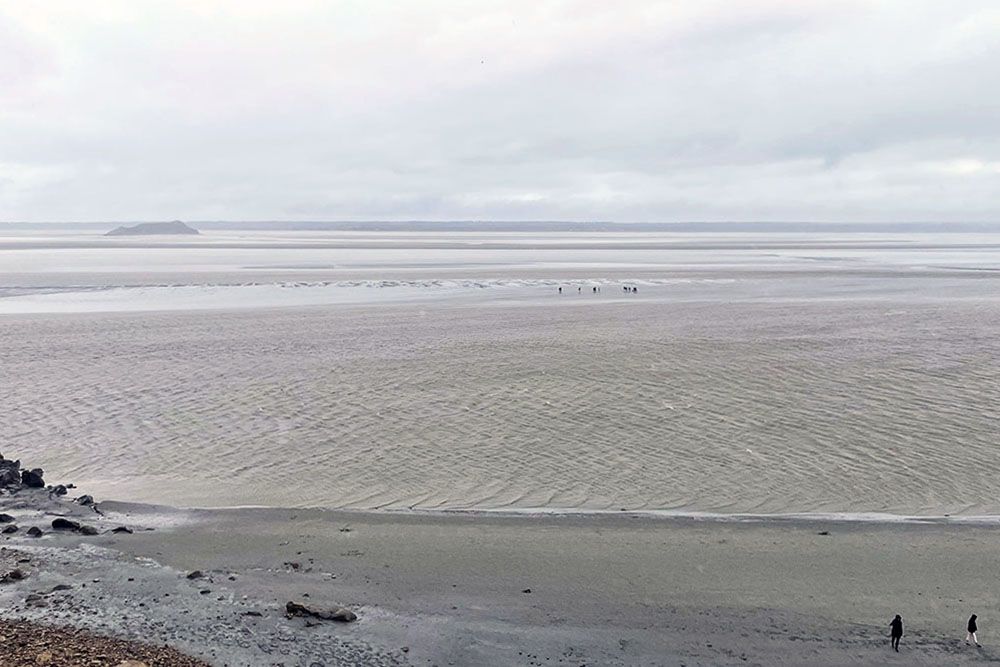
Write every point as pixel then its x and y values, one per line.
pixel 13 478
pixel 75 526
pixel 26 489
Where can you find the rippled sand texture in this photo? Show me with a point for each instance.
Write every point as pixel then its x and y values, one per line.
pixel 733 407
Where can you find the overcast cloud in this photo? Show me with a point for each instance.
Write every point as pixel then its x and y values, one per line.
pixel 536 110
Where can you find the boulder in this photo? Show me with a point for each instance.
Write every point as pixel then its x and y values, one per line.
pixel 85 500
pixel 122 529
pixel 6 518
pixel 13 575
pixel 339 614
pixel 88 530
pixel 10 473
pixel 65 524
pixel 197 574
pixel 58 490
pixel 8 530
pixel 33 478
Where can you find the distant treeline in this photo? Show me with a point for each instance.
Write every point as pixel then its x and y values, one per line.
pixel 548 226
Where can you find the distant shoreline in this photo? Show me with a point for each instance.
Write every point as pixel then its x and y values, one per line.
pixel 540 226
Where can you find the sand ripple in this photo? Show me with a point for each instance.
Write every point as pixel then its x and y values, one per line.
pixel 738 407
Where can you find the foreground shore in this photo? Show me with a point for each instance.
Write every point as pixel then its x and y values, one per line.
pixel 474 589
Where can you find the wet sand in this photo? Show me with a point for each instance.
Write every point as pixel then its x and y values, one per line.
pixel 588 403
pixel 452 589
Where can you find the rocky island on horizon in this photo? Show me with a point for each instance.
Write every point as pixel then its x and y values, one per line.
pixel 153 228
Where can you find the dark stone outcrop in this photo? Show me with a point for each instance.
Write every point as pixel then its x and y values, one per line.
pixel 13 575
pixel 65 524
pixel 10 473
pixel 35 531
pixel 339 614
pixel 9 530
pixel 33 478
pixel 6 518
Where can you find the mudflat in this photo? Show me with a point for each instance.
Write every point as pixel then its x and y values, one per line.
pixel 579 402
pixel 513 590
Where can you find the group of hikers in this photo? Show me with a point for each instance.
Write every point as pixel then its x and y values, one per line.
pixel 629 289
pixel 896 631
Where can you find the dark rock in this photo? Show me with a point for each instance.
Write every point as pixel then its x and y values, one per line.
pixel 13 575
pixel 88 530
pixel 526 590
pixel 197 574
pixel 58 490
pixel 205 591
pixel 122 529
pixel 10 473
pixel 339 614
pixel 35 531
pixel 253 613
pixel 33 478
pixel 61 587
pixel 64 524
pixel 823 532
pixel 85 500
pixel 6 518
pixel 8 530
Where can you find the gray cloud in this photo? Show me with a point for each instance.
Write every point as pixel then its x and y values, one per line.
pixel 780 110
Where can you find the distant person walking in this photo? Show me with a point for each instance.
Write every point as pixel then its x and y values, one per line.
pixel 973 628
pixel 896 631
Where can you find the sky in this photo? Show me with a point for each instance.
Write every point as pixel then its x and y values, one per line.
pixel 683 110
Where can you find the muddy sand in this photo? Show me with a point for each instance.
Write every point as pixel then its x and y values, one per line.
pixel 489 589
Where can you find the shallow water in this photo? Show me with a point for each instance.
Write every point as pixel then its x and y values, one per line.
pixel 743 380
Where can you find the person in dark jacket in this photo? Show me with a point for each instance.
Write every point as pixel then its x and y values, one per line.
pixel 896 631
pixel 973 628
